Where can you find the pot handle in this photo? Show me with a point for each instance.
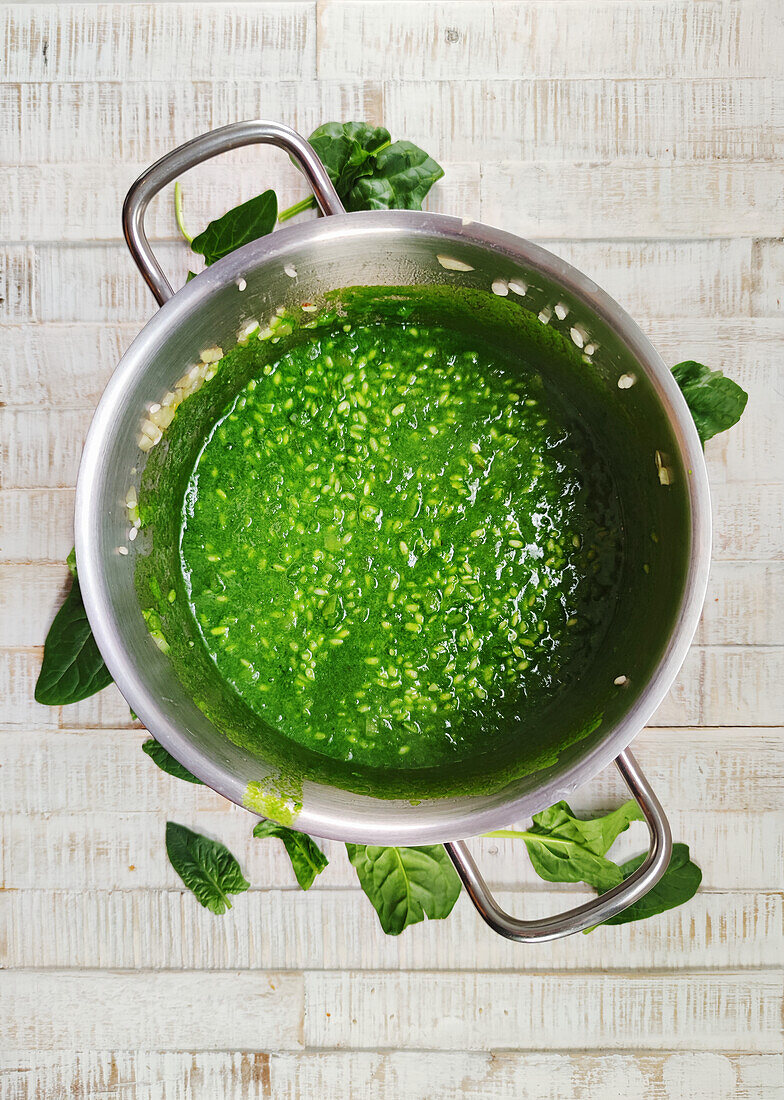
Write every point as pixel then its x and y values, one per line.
pixel 592 912
pixel 172 165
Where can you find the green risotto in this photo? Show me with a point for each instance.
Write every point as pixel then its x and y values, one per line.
pixel 393 538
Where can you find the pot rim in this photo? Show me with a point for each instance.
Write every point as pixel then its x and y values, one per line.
pixel 361 826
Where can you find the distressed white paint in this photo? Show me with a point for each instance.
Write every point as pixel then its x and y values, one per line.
pixel 336 929
pixel 137 42
pixel 82 1009
pixel 675 1010
pixel 724 768
pixel 568 121
pixel 122 851
pixel 748 521
pixel 139 122
pixel 656 279
pixel 504 1075
pixel 639 140
pixel 474 1011
pixel 55 202
pixel 40 449
pixel 559 38
pixel 36 525
pixel 657 199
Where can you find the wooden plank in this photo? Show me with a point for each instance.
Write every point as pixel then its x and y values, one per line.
pixel 748 521
pixel 66 364
pixel 725 686
pixel 54 202
pixel 737 344
pixel 483 1011
pixel 743 605
pixel 472 120
pixel 101 282
pixel 338 930
pixel 567 39
pixel 345 1075
pixel 726 768
pixel 164 1011
pixel 40 449
pixel 140 122
pixel 18 709
pixel 683 703
pixel 729 860
pixel 107 769
pixel 766 292
pixel 741 608
pixel 62 365
pixel 748 452
pixel 743 681
pixel 652 279
pixel 462 1075
pixel 125 851
pixel 131 1075
pixel 29 599
pixel 17 283
pixel 36 525
pixel 584 120
pixel 18 674
pixel 106 710
pixel 137 42
pixel 668 201
pixel 661 279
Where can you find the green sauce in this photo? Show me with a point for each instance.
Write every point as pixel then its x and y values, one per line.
pixel 395 539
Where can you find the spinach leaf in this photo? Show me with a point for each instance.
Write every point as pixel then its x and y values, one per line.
pixel 205 866
pixel 406 884
pixel 306 857
pixel 73 667
pixel 401 178
pixel 70 561
pixel 166 762
pixel 565 848
pixel 346 150
pixel 678 884
pixel 369 171
pixel 715 401
pixel 597 833
pixel 252 219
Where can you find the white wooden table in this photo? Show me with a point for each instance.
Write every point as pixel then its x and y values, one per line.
pixel 637 138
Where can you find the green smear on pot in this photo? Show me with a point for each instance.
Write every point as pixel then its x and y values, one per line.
pixel 277 798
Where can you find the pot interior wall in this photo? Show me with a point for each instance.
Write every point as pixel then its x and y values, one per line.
pixel 630 426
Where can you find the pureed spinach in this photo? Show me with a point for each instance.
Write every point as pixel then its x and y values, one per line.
pixel 391 536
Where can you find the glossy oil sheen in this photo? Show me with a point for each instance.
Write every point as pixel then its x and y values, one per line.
pixel 396 542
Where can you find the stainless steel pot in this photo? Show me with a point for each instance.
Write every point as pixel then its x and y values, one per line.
pixel 383 248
